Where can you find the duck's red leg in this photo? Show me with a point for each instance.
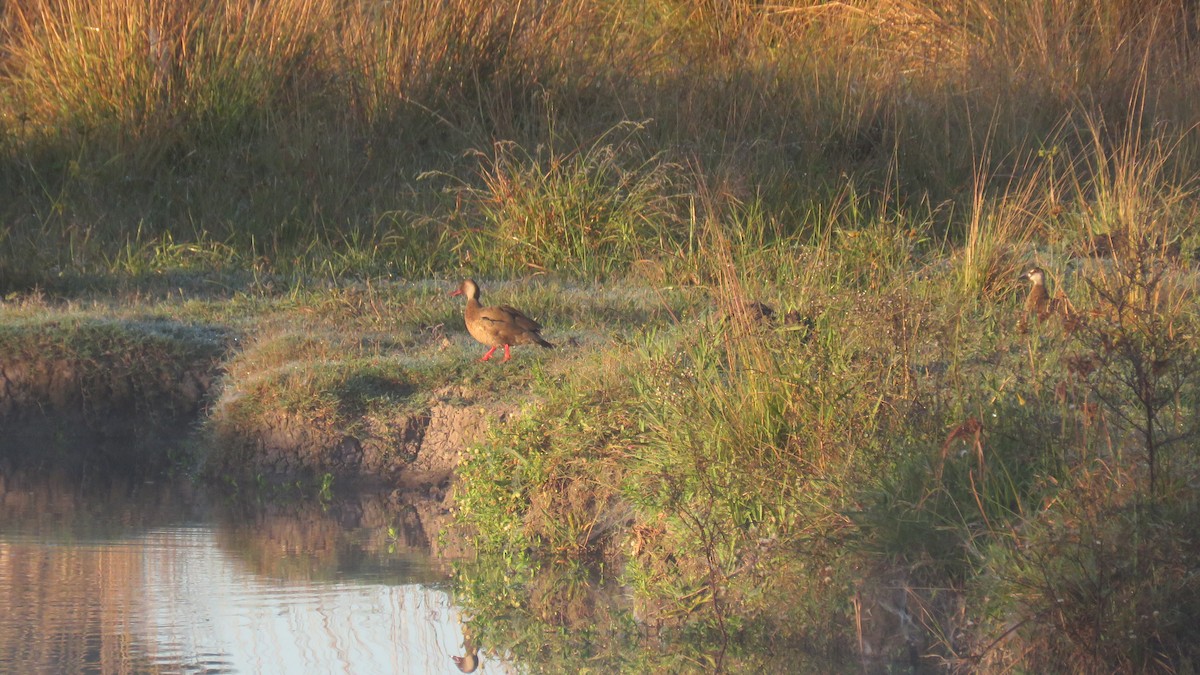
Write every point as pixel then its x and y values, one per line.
pixel 507 356
pixel 488 355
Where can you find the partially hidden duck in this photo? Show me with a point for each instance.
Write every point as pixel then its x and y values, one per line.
pixel 1040 305
pixel 498 326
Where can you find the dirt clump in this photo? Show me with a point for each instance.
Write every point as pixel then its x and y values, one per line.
pixel 412 449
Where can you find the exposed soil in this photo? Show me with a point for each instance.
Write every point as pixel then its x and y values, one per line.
pixel 119 406
pixel 129 413
pixel 65 389
pixel 414 449
pixel 416 452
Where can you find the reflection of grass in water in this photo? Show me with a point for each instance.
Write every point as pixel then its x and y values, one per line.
pixel 67 563
pixel 562 619
pixel 293 535
pixel 59 501
pixel 123 565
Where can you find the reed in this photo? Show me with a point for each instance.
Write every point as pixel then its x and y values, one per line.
pixel 297 132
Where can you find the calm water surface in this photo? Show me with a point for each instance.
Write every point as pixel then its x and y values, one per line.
pixel 115 577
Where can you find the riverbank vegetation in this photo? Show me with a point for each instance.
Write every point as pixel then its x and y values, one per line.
pixel 898 462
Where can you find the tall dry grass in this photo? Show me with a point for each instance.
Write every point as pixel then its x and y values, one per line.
pixel 297 129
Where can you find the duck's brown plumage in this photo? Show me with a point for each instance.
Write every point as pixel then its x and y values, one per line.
pixel 1039 304
pixel 498 326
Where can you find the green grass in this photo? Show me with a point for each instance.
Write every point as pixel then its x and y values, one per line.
pixel 904 425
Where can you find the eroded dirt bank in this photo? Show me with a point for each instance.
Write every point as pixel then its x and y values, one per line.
pixel 103 394
pixel 412 449
pixel 155 395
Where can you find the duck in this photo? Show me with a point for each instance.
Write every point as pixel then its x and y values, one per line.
pixel 468 662
pixel 1042 306
pixel 1038 302
pixel 498 326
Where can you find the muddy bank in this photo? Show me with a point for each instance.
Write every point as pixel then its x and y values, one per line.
pixel 414 451
pixel 144 397
pixel 103 394
pixel 409 448
pixel 134 383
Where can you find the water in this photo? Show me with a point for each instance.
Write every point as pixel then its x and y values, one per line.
pixel 120 577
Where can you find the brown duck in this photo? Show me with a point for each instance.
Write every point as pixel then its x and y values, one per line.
pixel 1040 305
pixel 1038 302
pixel 498 326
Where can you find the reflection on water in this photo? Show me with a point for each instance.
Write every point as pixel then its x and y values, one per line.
pixel 119 577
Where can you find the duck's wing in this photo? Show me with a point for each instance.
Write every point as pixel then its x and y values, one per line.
pixel 515 318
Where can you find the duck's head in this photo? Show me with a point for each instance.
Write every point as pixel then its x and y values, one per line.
pixel 468 663
pixel 1034 275
pixel 468 288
